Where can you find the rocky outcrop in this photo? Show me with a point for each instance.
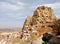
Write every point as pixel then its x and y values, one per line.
pixel 38 24
pixel 43 15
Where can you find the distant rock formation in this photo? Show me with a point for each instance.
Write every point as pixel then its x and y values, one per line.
pixel 38 24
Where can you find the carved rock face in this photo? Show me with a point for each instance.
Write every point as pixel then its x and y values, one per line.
pixel 38 24
pixel 44 14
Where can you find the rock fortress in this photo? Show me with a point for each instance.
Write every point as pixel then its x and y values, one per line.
pixel 34 27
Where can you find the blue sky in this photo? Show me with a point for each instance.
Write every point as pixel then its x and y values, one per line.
pixel 14 12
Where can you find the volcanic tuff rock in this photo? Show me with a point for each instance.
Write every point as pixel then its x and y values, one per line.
pixel 36 25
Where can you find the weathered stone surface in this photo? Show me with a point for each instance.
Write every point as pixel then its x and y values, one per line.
pixel 38 24
pixel 44 15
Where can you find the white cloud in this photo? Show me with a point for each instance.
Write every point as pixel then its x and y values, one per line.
pixel 16 15
pixel 9 6
pixel 53 5
pixel 12 10
pixel 20 3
